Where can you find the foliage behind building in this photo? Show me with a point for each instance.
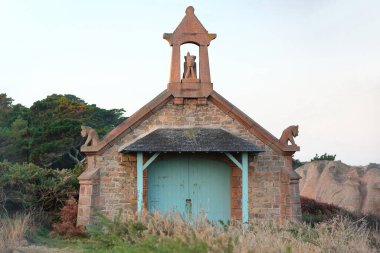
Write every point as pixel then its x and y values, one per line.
pixel 48 133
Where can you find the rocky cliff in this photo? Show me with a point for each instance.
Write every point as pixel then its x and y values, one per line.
pixel 354 188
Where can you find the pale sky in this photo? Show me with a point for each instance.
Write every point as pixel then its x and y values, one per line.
pixel 315 63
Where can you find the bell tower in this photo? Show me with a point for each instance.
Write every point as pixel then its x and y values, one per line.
pixel 190 84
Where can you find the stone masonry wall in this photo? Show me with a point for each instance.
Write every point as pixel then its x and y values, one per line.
pixel 117 184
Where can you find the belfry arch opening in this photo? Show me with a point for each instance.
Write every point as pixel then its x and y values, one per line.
pixel 191 49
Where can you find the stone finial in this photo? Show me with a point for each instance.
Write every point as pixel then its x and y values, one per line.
pixel 92 136
pixel 288 135
pixel 189 10
pixel 190 70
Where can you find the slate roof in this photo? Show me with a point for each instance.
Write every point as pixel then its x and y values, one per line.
pixel 191 140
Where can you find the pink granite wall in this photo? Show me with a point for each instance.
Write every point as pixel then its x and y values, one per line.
pixel 271 196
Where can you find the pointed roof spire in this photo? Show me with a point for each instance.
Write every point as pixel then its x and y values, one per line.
pixel 190 30
pixel 190 23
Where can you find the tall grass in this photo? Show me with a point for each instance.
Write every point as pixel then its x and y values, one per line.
pixel 12 231
pixel 154 232
pixel 160 233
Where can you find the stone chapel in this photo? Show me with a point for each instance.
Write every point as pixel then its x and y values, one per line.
pixel 191 151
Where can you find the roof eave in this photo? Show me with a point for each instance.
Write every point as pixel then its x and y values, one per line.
pixel 195 151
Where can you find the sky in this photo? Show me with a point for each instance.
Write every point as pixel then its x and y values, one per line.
pixel 314 63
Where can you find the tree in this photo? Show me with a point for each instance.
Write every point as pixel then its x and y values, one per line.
pixel 297 163
pixel 55 128
pixel 5 107
pixel 48 133
pixel 14 145
pixel 325 156
pixel 13 130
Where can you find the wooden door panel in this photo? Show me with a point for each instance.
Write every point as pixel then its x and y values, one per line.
pixel 167 186
pixel 206 182
pixel 210 188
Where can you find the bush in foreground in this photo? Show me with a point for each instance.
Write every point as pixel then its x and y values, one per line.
pixel 159 233
pixel 68 217
pixel 27 187
pixel 12 231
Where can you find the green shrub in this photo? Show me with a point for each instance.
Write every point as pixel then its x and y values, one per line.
pixel 107 233
pixel 314 212
pixel 27 187
pixel 324 157
pixel 297 163
pixel 140 235
pixel 153 244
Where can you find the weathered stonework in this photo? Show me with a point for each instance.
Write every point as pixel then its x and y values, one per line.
pixel 271 194
pixel 110 181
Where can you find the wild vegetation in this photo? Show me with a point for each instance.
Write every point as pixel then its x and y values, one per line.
pixel 155 232
pixel 33 199
pixel 314 212
pixel 39 192
pixel 27 187
pixel 39 204
pixel 326 228
pixel 325 157
pixel 159 233
pixel 48 133
pixel 67 226
pixel 13 230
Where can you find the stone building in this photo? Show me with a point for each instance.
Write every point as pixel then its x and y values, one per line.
pixel 190 150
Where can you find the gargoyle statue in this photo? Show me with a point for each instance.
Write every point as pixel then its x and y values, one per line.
pixel 92 136
pixel 190 67
pixel 288 135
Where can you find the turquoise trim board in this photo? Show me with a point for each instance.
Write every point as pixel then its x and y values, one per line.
pixel 244 180
pixel 233 159
pixel 150 160
pixel 140 169
pixel 244 171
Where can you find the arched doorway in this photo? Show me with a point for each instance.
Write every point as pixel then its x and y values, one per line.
pixel 190 185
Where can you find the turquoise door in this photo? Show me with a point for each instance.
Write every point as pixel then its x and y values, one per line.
pixel 190 186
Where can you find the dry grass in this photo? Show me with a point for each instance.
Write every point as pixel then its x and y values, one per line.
pixel 12 231
pixel 337 235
